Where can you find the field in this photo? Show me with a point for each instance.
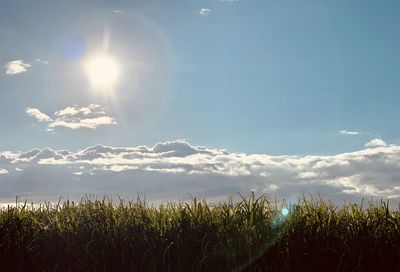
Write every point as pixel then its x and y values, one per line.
pixel 253 234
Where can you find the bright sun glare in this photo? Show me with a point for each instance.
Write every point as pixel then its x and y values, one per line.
pixel 102 70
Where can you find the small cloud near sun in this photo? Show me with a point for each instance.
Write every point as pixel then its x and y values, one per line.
pixel 40 116
pixel 205 11
pixel 74 117
pixel 15 67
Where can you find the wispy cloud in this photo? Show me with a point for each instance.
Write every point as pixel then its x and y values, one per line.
pixel 205 11
pixel 375 143
pixel 41 61
pixel 74 117
pixel 15 67
pixel 351 133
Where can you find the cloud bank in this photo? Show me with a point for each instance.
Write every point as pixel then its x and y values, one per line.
pixel 74 117
pixel 176 169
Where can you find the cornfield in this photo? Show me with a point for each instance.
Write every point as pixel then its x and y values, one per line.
pixel 252 234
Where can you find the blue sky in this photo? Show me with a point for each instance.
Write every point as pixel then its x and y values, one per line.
pixel 281 77
pixel 200 98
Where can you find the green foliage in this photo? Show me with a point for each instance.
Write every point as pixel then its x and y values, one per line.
pixel 250 235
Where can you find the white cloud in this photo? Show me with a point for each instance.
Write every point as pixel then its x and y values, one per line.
pixel 91 123
pixel 16 67
pixel 74 117
pixel 67 111
pixel 347 132
pixel 375 143
pixel 309 174
pixel 76 110
pixel 205 11
pixel 40 116
pixel 175 169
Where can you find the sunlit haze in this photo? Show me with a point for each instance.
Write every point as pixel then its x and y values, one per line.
pixel 102 70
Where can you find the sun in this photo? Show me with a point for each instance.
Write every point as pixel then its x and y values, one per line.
pixel 102 71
